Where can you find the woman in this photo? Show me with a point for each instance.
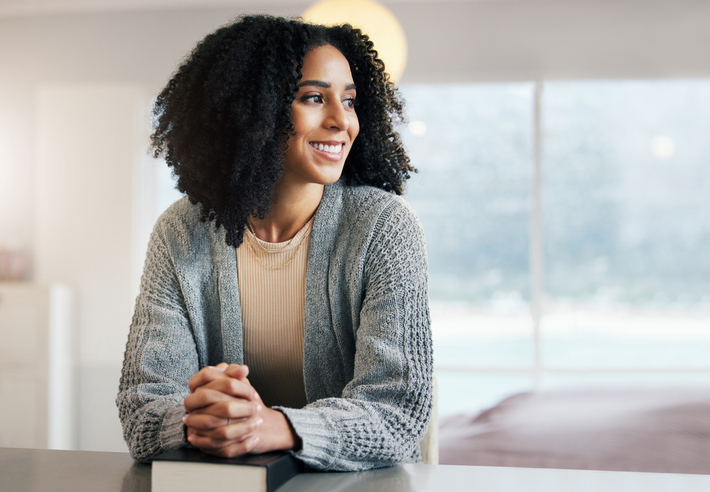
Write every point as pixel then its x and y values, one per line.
pixel 313 335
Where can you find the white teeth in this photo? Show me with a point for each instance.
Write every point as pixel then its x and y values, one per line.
pixel 331 149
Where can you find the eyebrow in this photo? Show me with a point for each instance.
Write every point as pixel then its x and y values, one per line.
pixel 325 85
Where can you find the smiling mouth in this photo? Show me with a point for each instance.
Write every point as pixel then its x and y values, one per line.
pixel 330 149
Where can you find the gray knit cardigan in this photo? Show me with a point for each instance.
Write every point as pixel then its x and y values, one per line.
pixel 367 346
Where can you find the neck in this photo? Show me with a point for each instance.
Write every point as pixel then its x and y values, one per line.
pixel 290 210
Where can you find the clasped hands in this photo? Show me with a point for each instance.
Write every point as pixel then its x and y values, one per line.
pixel 226 416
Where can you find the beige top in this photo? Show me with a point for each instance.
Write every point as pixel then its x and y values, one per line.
pixel 272 291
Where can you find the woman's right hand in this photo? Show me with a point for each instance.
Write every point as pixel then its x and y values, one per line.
pixel 224 410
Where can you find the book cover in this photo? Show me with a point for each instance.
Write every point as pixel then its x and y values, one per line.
pixel 190 469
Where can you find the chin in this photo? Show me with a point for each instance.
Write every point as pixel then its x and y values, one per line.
pixel 329 177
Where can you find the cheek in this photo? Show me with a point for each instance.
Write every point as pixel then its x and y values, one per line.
pixel 306 119
pixel 354 127
pixel 300 121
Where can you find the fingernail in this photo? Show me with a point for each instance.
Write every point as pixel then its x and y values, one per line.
pixel 184 417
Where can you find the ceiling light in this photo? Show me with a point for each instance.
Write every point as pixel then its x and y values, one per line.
pixel 375 20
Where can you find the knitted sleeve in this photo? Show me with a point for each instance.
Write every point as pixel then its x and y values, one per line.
pixel 384 410
pixel 160 358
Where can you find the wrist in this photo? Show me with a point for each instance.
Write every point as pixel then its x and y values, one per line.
pixel 289 439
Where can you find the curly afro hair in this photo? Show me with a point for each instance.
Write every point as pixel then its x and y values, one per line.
pixel 224 119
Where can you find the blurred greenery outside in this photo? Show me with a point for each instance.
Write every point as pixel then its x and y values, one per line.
pixel 622 227
pixel 626 232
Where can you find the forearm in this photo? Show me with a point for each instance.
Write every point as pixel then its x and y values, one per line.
pixel 349 435
pixel 150 398
pixel 151 428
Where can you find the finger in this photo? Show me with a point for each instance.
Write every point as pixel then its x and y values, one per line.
pixel 206 375
pixel 234 432
pixel 232 450
pixel 233 387
pixel 205 397
pixel 237 371
pixel 204 421
pixel 204 441
pixel 201 421
pixel 241 372
pixel 234 409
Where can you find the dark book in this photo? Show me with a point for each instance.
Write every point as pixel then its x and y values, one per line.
pixel 189 469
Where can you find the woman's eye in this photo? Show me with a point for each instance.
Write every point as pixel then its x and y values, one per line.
pixel 349 102
pixel 316 98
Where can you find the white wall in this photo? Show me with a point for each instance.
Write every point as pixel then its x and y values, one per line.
pixel 70 86
pixel 556 39
pixel 84 228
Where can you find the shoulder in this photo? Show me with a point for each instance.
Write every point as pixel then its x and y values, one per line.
pixel 386 238
pixel 379 220
pixel 180 212
pixel 367 202
pixel 366 195
pixel 182 229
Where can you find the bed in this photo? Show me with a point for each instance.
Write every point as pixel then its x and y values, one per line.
pixel 622 429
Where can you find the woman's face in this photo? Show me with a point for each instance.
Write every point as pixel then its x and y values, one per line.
pixel 323 115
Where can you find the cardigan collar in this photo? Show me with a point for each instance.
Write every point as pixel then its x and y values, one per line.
pixel 323 236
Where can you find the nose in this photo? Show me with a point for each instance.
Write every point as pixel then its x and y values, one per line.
pixel 337 118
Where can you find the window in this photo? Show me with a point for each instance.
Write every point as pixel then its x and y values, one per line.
pixel 623 186
pixel 626 200
pixel 472 146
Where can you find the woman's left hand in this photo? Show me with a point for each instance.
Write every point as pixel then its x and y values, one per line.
pixel 226 416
